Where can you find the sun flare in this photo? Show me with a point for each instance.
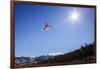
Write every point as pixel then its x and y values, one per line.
pixel 74 16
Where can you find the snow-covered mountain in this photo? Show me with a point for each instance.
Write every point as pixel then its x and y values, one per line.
pixel 31 60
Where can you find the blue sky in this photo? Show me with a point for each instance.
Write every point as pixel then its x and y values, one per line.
pixel 64 36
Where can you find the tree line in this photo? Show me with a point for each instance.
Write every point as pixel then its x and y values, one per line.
pixel 85 54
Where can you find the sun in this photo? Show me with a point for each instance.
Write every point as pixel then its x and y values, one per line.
pixel 74 16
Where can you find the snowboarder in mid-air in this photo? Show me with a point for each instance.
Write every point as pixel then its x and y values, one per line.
pixel 46 26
